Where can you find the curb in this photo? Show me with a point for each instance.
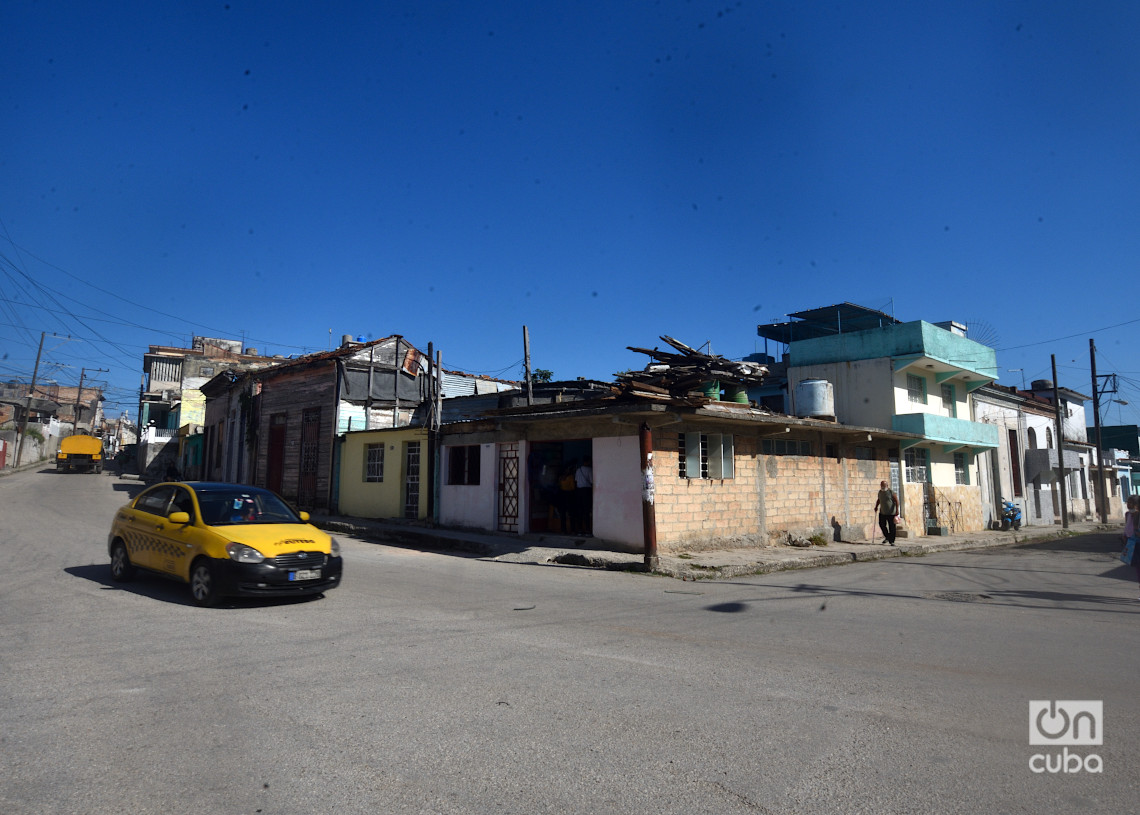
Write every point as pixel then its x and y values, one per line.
pixel 524 553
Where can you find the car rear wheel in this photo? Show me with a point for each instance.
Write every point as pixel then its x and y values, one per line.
pixel 203 584
pixel 122 570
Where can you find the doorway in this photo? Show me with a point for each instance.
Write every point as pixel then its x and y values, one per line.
pixel 550 479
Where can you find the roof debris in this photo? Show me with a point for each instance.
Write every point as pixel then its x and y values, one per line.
pixel 686 374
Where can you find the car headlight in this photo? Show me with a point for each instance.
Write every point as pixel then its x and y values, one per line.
pixel 334 548
pixel 243 554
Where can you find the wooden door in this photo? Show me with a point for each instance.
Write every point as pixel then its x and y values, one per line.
pixel 275 466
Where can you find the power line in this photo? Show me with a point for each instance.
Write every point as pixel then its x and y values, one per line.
pixel 1069 336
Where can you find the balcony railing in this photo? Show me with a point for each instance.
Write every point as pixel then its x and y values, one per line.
pixel 156 433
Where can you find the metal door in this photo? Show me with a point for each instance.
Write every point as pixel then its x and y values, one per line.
pixel 412 480
pixel 509 488
pixel 310 446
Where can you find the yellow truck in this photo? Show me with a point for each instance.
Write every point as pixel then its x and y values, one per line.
pixel 82 453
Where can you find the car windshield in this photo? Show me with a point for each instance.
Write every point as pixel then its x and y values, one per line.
pixel 223 507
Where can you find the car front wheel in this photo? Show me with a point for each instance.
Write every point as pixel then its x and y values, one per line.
pixel 203 584
pixel 122 569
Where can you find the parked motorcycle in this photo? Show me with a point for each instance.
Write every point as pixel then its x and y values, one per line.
pixel 1010 515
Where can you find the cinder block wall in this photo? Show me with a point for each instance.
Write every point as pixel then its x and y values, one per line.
pixel 702 513
pixel 769 497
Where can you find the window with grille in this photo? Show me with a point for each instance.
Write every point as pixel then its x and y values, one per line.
pixel 961 471
pixel 948 402
pixel 463 465
pixel 917 465
pixel 916 389
pixel 374 462
pixel 705 455
pixel 785 447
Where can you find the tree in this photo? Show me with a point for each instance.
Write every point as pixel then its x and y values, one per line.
pixel 541 375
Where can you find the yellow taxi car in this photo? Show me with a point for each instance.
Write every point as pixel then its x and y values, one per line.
pixel 223 540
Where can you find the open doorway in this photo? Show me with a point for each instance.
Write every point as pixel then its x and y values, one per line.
pixel 557 504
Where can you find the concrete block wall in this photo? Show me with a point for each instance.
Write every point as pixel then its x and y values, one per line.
pixel 701 512
pixel 769 497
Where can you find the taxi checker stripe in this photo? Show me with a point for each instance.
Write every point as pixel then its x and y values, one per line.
pixel 148 543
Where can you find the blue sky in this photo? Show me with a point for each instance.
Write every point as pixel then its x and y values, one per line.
pixel 602 172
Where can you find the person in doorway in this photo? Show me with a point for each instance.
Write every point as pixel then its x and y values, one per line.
pixel 887 505
pixel 584 497
pixel 564 500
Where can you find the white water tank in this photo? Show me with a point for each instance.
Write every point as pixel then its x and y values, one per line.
pixel 815 399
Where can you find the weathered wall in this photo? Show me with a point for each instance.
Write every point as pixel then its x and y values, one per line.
pixel 379 499
pixel 617 491
pixel 769 497
pixel 291 393
pixel 471 506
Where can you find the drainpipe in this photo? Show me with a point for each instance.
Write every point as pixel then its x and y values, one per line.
pixel 648 496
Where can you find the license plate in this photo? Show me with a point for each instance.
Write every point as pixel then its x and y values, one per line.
pixel 305 574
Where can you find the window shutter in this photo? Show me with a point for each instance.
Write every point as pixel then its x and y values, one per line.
pixel 693 455
pixel 720 455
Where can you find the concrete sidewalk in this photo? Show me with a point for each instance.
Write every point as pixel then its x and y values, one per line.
pixel 576 551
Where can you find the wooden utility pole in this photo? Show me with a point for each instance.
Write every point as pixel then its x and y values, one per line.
pixel 431 434
pixel 1060 448
pixel 28 410
pixel 526 358
pixel 648 498
pixel 79 398
pixel 1101 495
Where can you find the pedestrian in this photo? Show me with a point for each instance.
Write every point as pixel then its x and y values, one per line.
pixel 564 500
pixel 584 496
pixel 1132 534
pixel 887 505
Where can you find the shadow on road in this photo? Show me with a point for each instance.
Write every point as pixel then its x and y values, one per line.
pixel 1101 548
pixel 1037 600
pixel 156 587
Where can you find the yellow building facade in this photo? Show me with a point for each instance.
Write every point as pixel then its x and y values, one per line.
pixel 384 473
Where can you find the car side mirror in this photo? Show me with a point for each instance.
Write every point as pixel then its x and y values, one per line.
pixel 179 517
pixel 304 516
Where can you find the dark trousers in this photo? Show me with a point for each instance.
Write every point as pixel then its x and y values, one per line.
pixel 887 524
pixel 580 516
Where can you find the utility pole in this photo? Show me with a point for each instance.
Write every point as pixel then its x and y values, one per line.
pixel 79 398
pixel 648 498
pixel 1101 497
pixel 28 410
pixel 1060 448
pixel 526 358
pixel 431 435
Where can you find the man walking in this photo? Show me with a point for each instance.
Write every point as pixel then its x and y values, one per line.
pixel 887 506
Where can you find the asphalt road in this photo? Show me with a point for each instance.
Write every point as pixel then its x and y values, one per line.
pixel 436 683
